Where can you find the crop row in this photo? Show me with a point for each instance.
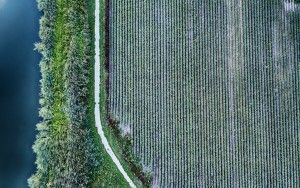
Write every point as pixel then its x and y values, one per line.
pixel 209 89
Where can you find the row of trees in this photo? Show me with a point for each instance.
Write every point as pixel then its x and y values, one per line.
pixel 65 158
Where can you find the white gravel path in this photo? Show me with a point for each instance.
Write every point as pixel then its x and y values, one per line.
pixel 97 88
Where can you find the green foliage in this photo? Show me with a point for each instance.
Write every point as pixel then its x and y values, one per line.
pixel 66 152
pixel 42 146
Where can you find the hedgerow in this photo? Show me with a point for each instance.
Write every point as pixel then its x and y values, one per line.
pixel 66 154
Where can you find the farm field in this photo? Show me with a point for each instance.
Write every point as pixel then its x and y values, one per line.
pixel 209 90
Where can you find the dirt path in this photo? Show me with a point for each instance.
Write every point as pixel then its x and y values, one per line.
pixel 97 91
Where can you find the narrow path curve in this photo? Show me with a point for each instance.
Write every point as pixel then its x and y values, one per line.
pixel 97 92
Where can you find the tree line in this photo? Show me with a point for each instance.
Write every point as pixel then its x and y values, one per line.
pixel 66 155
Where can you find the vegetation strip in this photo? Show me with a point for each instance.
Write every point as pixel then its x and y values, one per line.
pixel 67 155
pixel 97 92
pixel 68 150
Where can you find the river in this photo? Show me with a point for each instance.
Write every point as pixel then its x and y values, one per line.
pixel 19 90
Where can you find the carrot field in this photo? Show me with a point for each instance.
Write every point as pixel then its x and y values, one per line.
pixel 209 90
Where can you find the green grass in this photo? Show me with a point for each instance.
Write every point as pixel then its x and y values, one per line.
pixel 60 56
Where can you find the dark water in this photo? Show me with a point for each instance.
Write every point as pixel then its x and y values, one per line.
pixel 19 88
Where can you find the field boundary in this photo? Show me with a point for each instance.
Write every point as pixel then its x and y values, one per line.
pixel 97 92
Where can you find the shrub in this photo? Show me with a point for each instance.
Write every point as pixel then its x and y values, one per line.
pixel 66 154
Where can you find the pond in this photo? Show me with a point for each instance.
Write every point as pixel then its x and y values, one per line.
pixel 19 90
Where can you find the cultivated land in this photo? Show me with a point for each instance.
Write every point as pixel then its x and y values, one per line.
pixel 210 90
